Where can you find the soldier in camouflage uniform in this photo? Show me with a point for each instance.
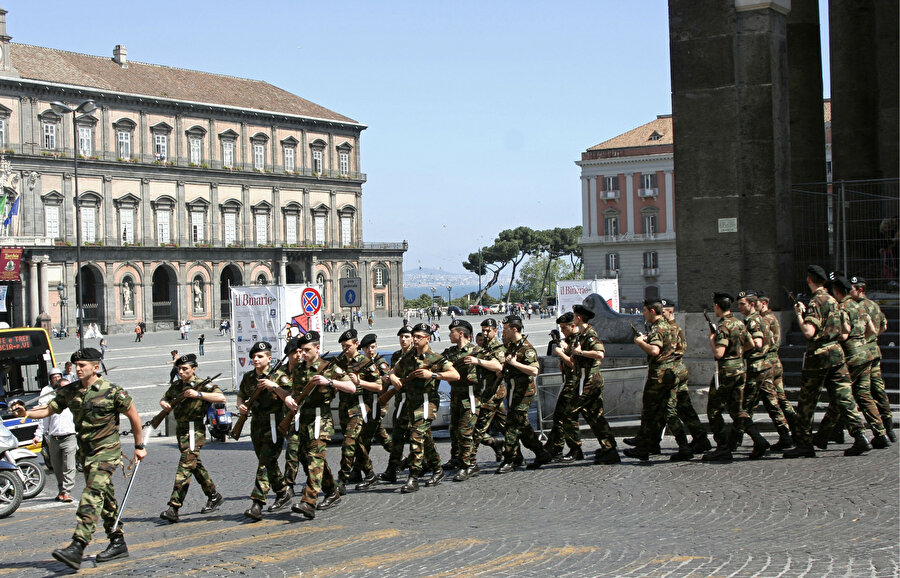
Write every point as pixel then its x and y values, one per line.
pixel 588 353
pixel 191 434
pixel 373 430
pixel 95 404
pixel 519 371
pixel 491 359
pixel 726 393
pixel 313 424
pixel 760 384
pixel 422 369
pixel 355 408
pixel 466 391
pixel 565 414
pixel 787 409
pixel 877 381
pixel 823 364
pixel 294 454
pixel 859 363
pixel 659 389
pixel 400 429
pixel 266 412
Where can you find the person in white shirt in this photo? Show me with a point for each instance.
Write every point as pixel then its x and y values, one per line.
pixel 59 432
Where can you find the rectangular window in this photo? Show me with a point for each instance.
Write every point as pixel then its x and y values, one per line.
pixel 51 221
pixel 319 229
pixel 196 147
pixel 197 218
pixel 379 277
pixel 126 216
pixel 230 228
pixel 612 226
pixel 2 131
pixel 85 141
pixel 612 261
pixel 161 142
pixel 649 225
pixel 649 180
pixel 228 153
pixel 346 231
pixel 611 183
pixel 88 225
pixel 344 163
pixel 290 230
pixel 289 153
pixel 124 139
pixel 259 156
pixel 49 135
pixel 651 260
pixel 379 300
pixel 162 226
pixel 317 161
pixel 262 228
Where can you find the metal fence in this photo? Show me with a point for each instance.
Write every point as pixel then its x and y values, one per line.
pixel 849 226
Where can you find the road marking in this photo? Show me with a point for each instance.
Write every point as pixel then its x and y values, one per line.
pixel 371 562
pixel 310 548
pixel 505 563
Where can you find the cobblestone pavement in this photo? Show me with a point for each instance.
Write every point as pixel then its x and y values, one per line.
pixel 832 515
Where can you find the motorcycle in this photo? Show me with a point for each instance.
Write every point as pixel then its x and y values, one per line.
pixel 12 489
pixel 218 421
pixel 31 473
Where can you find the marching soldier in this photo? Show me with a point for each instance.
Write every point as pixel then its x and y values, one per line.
pixel 877 381
pixel 267 410
pixel 373 430
pixel 520 369
pixel 95 403
pixel 823 364
pixel 191 434
pixel 588 354
pixel 313 424
pixel 787 409
pixel 565 415
pixel 464 396
pixel 423 369
pixel 294 454
pixel 400 429
pixel 490 359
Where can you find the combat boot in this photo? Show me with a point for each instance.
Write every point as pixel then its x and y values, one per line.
pixel 389 476
pixel 411 485
pixel 306 509
pixel 170 515
pixel 784 439
pixel 760 445
pixel 452 464
pixel 735 439
pixel 684 452
pixel 700 444
pixel 631 441
pixel 540 459
pixel 637 453
pixel 116 549
pixel 799 452
pixel 213 503
pixel 282 499
pixel 341 487
pixel 329 501
pixel 607 457
pixel 880 442
pixel 254 512
pixel 462 475
pixel 837 436
pixel 859 447
pixel 435 478
pixel 505 468
pixel 71 555
pixel 889 430
pixel 572 455
pixel 720 454
pixel 820 439
pixel 367 482
pixel 472 470
pixel 355 476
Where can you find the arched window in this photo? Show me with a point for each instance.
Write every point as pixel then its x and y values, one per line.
pixel 379 276
pixel 261 279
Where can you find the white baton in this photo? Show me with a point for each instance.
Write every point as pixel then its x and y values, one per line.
pixel 471 400
pixel 318 422
pixel 191 436
pixel 362 408
pixel 272 427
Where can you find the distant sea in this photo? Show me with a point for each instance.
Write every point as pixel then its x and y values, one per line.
pixel 457 292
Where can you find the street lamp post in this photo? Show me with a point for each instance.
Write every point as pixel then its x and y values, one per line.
pixel 85 107
pixel 62 301
pixel 432 298
pixel 501 292
pixel 449 288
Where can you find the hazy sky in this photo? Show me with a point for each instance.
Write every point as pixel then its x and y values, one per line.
pixel 476 110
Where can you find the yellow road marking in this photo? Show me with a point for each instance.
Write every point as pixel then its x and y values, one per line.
pixel 370 562
pixel 667 559
pixel 310 548
pixel 519 559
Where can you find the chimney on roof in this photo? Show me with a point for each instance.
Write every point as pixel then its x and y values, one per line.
pixel 6 67
pixel 120 55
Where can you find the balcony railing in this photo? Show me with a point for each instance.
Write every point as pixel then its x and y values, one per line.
pixel 650 271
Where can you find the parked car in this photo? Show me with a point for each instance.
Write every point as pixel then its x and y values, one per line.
pixel 498 308
pixel 454 309
pixel 479 310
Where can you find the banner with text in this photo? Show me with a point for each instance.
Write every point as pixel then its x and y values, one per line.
pixel 10 258
pixel 569 293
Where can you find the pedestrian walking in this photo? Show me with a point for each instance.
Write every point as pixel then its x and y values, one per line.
pixel 201 340
pixel 138 333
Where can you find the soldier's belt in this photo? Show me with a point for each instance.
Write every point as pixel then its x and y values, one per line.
pixel 663 365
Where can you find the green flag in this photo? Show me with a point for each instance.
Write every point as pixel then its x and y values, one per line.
pixel 2 203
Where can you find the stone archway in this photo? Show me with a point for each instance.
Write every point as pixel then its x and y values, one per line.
pixel 92 296
pixel 230 276
pixel 165 297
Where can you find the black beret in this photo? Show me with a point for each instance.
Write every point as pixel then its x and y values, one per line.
pixel 461 323
pixel 291 346
pixel 651 301
pixel 489 322
pixel 308 337
pixel 817 271
pixel 583 312
pixel 843 283
pixel 187 359
pixel 404 329
pixel 261 346
pixel 346 335
pixel 513 320
pixel 421 328
pixel 722 295
pixel 567 317
pixel 858 281
pixel 368 340
pixel 86 354
pixel 748 293
pixel 667 303
pixel 762 295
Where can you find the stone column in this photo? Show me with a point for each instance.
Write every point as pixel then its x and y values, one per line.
pixel 44 291
pixel 182 218
pixel 334 229
pixel 148 235
pixel 628 229
pixel 33 294
pixel 275 217
pixel 282 270
pixel 670 203
pixel 305 218
pixel 368 301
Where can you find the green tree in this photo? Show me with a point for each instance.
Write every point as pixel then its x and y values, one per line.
pixel 493 259
pixel 538 277
pixel 526 242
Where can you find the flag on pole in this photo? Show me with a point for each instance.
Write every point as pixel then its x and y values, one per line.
pixel 14 210
pixel 2 203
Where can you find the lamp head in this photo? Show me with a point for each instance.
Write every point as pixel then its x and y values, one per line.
pixel 87 107
pixel 60 108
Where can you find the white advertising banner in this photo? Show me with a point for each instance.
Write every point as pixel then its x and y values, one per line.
pixel 271 313
pixel 569 293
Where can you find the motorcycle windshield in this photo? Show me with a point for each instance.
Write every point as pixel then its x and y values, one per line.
pixel 8 441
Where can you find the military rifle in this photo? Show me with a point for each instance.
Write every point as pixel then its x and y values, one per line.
pixel 285 425
pixel 712 326
pixel 791 295
pixel 242 418
pixel 158 418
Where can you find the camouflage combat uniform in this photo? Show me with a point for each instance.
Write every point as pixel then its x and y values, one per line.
pixel 190 411
pixel 760 375
pixel 420 408
pixel 729 395
pixel 858 358
pixel 266 413
pixel 315 427
pixel 681 414
pixel 374 430
pixel 462 415
pixel 876 380
pixel 294 453
pixel 95 411
pixel 590 400
pixel 491 410
pixel 521 390
pixel 565 416
pixel 400 429
pixel 777 369
pixel 659 389
pixel 823 364
pixel 354 412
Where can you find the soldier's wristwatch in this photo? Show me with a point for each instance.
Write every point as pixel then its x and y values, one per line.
pixel 138 446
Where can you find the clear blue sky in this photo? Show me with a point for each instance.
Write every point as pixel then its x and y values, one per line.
pixel 476 110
